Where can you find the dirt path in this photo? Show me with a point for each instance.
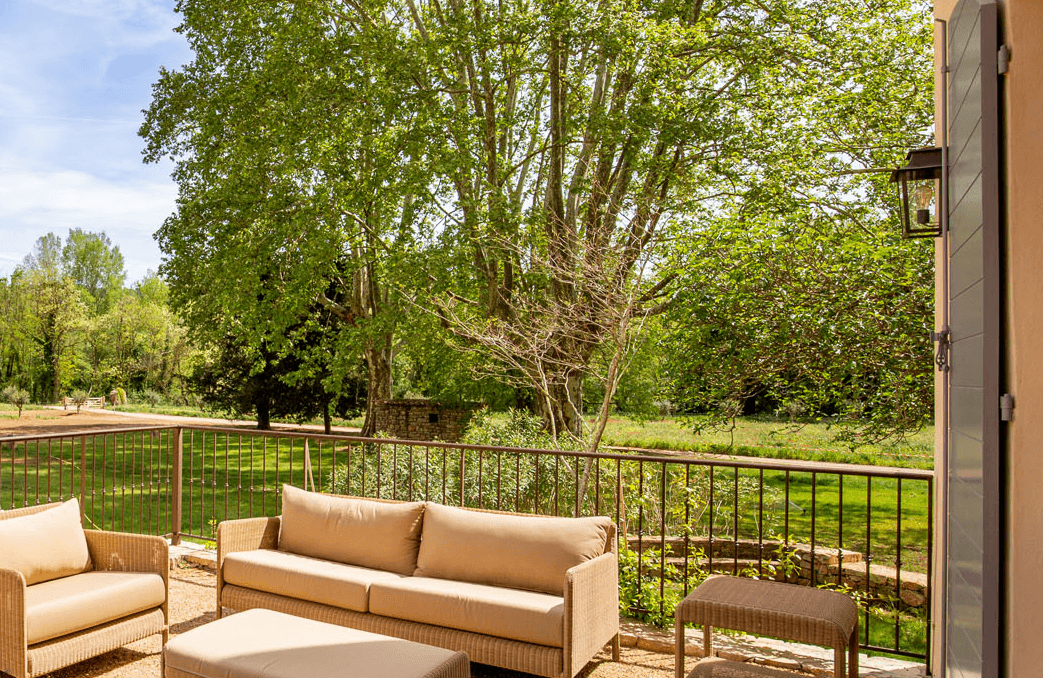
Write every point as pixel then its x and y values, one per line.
pixel 57 420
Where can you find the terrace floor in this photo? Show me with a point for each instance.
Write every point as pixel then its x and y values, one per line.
pixel 646 652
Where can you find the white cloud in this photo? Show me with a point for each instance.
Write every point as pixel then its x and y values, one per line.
pixel 36 202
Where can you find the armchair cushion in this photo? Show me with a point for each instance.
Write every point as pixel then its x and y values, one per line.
pixel 522 552
pixel 45 545
pixel 62 606
pixel 374 534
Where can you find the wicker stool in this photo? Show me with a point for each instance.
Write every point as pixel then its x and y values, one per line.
pixel 799 613
pixel 267 644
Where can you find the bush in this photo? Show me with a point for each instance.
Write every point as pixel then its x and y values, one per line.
pixel 15 396
pixel 79 398
pixel 152 398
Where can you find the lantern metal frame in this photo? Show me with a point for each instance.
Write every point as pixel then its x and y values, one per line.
pixel 922 164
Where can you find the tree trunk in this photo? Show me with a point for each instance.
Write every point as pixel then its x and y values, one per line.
pixel 327 421
pixel 378 362
pixel 264 415
pixel 562 408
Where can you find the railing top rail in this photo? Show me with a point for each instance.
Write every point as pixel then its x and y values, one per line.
pixel 7 440
pixel 756 463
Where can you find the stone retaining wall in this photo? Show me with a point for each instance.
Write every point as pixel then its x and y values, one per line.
pixel 830 566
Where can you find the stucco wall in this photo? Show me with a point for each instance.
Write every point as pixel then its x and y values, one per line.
pixel 1023 21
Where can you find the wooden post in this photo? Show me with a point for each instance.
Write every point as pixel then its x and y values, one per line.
pixel 175 499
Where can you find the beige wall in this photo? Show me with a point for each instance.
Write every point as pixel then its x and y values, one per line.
pixel 1023 21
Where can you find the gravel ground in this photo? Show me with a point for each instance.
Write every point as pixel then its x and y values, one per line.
pixel 192 604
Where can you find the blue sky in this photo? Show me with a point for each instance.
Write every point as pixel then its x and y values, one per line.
pixel 74 78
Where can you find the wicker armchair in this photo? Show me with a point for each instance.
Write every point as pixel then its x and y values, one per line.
pixel 49 625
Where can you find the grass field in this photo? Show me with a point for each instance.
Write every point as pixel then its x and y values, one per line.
pixel 769 437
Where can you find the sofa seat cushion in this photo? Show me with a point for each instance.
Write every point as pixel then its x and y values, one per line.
pixel 296 576
pixel 521 552
pixel 505 613
pixel 70 604
pixel 380 535
pixel 45 545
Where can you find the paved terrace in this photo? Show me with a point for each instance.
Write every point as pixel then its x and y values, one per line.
pixel 647 652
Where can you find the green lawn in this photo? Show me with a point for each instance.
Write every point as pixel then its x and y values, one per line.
pixel 768 437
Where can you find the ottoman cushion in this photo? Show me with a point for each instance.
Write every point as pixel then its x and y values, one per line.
pixel 266 644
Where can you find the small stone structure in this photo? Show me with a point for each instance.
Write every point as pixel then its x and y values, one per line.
pixel 421 419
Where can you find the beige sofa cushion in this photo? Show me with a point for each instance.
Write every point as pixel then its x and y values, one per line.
pixel 266 644
pixel 45 545
pixel 526 616
pixel 304 578
pixel 373 534
pixel 524 552
pixel 60 606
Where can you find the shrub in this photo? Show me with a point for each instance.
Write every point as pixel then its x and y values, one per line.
pixel 152 398
pixel 79 398
pixel 16 396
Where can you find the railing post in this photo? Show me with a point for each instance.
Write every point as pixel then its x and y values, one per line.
pixel 175 499
pixel 83 480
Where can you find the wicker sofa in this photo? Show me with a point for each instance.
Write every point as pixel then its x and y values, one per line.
pixel 68 594
pixel 528 593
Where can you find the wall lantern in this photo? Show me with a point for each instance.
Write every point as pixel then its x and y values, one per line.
pixel 919 193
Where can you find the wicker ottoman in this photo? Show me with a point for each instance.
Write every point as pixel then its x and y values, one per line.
pixel 788 611
pixel 267 644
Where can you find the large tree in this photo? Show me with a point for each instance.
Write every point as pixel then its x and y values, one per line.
pixel 577 131
pixel 796 290
pixel 95 264
pixel 297 172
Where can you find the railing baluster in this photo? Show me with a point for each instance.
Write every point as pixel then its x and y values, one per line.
pixel 898 566
pixel 840 531
pixel 148 503
pixel 814 495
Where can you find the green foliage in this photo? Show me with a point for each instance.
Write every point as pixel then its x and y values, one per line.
pixel 79 398
pixel 515 428
pixel 69 323
pixel 16 396
pixel 152 398
pixel 95 265
pixel 642 595
pixel 793 283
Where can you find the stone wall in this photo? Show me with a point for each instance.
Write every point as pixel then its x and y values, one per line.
pixel 848 568
pixel 421 419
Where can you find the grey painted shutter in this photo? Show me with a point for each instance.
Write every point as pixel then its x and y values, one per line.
pixel 973 638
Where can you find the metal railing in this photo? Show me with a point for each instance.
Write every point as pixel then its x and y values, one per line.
pixel 866 530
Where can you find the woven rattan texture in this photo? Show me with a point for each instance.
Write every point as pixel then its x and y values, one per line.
pixel 109 551
pixel 591 617
pixel 510 654
pixel 54 654
pixel 787 611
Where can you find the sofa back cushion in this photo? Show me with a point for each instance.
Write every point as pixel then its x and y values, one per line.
pixel 522 552
pixel 46 545
pixel 374 534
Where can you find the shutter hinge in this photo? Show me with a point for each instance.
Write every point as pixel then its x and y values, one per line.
pixel 1003 60
pixel 941 358
pixel 1006 407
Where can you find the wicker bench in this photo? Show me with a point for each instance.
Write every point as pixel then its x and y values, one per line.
pixel 268 644
pixel 786 611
